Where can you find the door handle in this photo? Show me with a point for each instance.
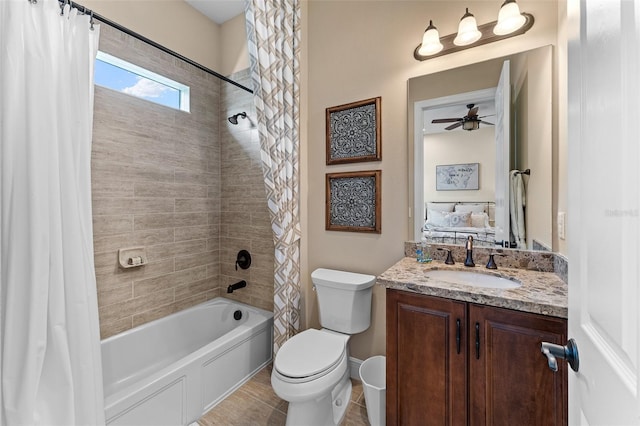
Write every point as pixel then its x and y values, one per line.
pixel 477 340
pixel 568 352
pixel 458 335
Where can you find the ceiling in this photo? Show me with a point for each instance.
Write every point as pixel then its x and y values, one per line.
pixel 219 11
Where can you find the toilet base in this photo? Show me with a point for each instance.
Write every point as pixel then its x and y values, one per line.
pixel 326 410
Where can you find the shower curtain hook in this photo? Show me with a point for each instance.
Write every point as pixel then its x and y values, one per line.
pixel 91 20
pixel 62 6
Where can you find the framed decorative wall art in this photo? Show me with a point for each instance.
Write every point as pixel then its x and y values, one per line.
pixel 353 201
pixel 353 132
pixel 457 177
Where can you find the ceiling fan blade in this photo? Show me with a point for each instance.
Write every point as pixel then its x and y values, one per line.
pixel 472 112
pixel 453 126
pixel 488 115
pixel 445 120
pixel 485 122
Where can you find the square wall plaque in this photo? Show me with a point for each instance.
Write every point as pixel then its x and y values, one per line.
pixel 353 201
pixel 353 132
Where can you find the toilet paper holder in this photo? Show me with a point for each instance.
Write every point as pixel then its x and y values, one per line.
pixel 132 257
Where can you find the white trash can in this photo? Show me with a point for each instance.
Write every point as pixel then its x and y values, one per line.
pixel 373 376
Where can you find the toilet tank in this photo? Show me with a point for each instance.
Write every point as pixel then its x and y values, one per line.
pixel 344 299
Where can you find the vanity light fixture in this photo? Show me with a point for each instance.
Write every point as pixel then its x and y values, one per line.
pixel 467 30
pixel 511 22
pixel 430 41
pixel 509 18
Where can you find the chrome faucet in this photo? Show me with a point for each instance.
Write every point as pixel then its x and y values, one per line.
pixel 469 260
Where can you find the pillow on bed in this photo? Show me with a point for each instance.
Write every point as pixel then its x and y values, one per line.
pixel 479 220
pixel 438 218
pixel 460 220
pixel 442 207
pixel 473 208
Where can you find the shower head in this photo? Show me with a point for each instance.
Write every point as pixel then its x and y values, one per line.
pixel 234 118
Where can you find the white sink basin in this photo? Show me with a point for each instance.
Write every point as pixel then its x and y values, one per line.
pixel 471 278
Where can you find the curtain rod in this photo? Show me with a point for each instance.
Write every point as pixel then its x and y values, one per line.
pixel 153 43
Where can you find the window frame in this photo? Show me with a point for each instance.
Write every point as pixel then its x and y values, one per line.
pixel 183 89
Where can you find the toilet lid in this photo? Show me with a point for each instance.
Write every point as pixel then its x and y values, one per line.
pixel 309 353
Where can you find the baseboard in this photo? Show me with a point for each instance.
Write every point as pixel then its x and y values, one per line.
pixel 354 367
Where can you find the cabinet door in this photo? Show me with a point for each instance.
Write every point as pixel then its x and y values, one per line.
pixel 426 360
pixel 509 380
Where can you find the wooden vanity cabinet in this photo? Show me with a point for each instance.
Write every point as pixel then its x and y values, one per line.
pixel 497 377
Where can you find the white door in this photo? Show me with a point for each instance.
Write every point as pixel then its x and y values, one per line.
pixel 502 126
pixel 604 189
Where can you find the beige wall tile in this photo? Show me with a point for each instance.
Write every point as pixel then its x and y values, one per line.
pixel 191 219
pixel 115 295
pixel 197 287
pixel 164 282
pixel 144 238
pixel 153 314
pixel 116 311
pixel 109 225
pixel 108 329
pixel 200 259
pixel 169 190
pixel 154 221
pixel 196 232
pixel 163 251
pixel 195 204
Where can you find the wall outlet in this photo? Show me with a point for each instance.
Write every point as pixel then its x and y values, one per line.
pixel 562 225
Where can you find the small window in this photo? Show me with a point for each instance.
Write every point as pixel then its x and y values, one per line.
pixel 116 74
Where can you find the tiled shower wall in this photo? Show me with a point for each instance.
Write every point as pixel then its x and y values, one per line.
pixel 156 183
pixel 244 217
pixel 186 186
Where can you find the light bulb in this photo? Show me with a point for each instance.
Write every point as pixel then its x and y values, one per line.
pixel 467 30
pixel 509 18
pixel 430 41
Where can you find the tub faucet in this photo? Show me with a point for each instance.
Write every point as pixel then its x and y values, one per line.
pixel 469 260
pixel 239 284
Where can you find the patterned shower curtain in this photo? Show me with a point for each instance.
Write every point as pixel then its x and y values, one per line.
pixel 273 33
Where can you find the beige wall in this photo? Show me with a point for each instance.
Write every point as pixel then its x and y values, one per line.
pixel 171 23
pixel 234 54
pixel 459 147
pixel 560 102
pixel 533 130
pixel 357 52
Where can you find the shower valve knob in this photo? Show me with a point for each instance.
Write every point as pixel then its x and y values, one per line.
pixel 243 259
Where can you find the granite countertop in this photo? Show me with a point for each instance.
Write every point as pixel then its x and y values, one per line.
pixel 541 292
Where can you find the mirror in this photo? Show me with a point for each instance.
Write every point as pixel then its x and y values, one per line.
pixel 527 134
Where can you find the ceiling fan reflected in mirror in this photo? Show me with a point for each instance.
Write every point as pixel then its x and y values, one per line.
pixel 471 121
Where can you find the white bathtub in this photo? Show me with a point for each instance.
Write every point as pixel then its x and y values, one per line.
pixel 172 370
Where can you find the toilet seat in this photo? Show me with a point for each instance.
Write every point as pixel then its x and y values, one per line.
pixel 310 355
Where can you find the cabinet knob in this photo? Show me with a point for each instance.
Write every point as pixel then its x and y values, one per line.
pixel 568 352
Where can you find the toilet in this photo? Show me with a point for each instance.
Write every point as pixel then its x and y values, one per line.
pixel 311 370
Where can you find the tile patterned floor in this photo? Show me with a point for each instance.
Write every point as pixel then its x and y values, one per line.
pixel 255 404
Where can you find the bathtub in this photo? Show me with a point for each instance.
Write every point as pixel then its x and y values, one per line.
pixel 172 370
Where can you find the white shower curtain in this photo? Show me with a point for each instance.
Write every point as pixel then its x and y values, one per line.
pixel 49 336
